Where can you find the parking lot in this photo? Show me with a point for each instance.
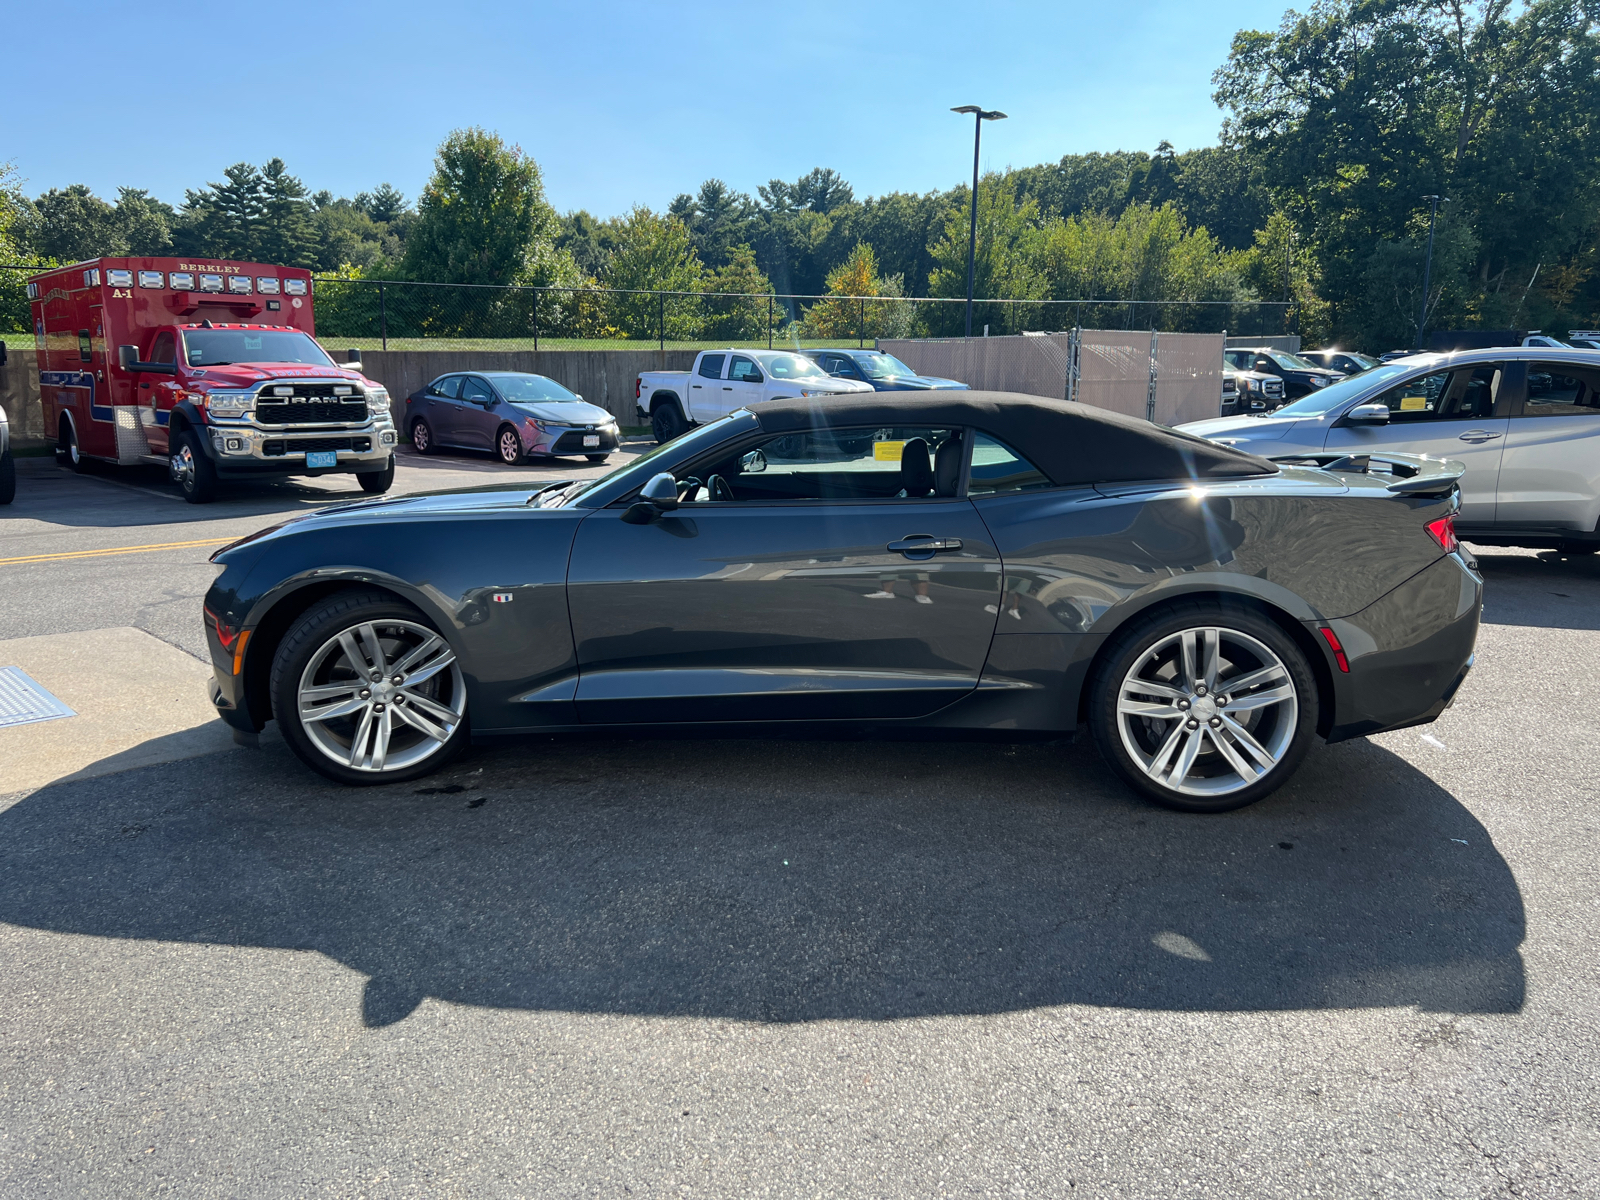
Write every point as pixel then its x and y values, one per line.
pixel 653 967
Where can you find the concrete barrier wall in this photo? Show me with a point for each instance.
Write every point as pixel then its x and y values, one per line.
pixel 603 377
pixel 19 396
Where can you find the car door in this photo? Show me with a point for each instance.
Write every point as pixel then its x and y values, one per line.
pixel 475 412
pixel 743 386
pixel 1550 474
pixel 442 409
pixel 821 586
pixel 1458 413
pixel 705 388
pixel 159 393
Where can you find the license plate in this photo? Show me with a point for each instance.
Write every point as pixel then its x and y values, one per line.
pixel 322 458
pixel 591 439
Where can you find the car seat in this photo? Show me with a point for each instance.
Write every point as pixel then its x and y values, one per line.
pixel 916 471
pixel 947 467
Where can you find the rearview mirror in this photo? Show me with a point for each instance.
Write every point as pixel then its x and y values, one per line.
pixel 1368 414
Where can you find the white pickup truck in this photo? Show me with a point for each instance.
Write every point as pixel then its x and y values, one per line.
pixel 724 381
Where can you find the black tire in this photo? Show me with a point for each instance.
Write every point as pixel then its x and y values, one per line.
pixel 8 478
pixel 597 458
pixel 1281 728
pixel 68 452
pixel 666 421
pixel 422 440
pixel 307 643
pixel 375 483
pixel 508 446
pixel 192 470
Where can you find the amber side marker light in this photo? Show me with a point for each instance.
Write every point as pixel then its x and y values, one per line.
pixel 244 639
pixel 1328 636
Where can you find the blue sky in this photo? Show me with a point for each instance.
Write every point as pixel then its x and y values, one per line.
pixel 621 103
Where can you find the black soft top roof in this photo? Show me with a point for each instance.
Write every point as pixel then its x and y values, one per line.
pixel 1071 443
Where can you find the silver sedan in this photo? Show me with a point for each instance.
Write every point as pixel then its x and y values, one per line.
pixel 1525 420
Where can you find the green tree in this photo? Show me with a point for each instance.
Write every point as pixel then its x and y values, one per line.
pixel 1007 263
pixel 653 253
pixel 285 233
pixel 483 217
pixel 732 303
pixel 223 220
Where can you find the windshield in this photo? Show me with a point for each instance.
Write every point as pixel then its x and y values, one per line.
pixel 635 473
pixel 1365 361
pixel 882 366
pixel 1335 394
pixel 531 389
pixel 218 347
pixel 1292 362
pixel 793 366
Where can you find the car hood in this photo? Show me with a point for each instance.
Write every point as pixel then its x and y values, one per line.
pixel 566 412
pixel 248 374
pixel 1240 430
pixel 918 383
pixel 831 386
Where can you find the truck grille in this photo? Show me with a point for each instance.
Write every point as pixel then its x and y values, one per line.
pixel 311 411
pixel 1273 388
pixel 278 448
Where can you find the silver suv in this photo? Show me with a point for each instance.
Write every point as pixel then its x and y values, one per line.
pixel 1525 421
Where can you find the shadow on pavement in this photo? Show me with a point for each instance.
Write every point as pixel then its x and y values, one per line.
pixel 791 881
pixel 1543 588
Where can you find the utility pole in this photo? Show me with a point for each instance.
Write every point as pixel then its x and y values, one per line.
pixel 979 117
pixel 1427 267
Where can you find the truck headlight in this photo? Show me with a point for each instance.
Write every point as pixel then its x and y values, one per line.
pixel 229 404
pixel 377 400
pixel 1318 381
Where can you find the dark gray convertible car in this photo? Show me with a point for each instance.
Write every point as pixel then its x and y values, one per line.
pixel 968 563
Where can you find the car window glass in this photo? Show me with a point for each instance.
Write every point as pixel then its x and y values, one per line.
pixel 449 387
pixel 743 370
pixel 793 366
pixel 838 465
pixel 476 389
pixel 997 468
pixel 1562 390
pixel 711 365
pixel 1461 395
pixel 165 349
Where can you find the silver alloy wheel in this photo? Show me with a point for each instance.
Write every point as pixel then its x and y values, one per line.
pixel 510 447
pixel 181 465
pixel 381 696
pixel 1207 711
pixel 419 438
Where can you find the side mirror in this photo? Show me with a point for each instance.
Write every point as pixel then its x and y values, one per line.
pixel 753 463
pixel 1368 414
pixel 127 356
pixel 128 360
pixel 579 395
pixel 657 497
pixel 352 358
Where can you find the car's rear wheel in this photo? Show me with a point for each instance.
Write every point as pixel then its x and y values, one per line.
pixel 422 437
pixel 508 445
pixel 68 451
pixel 666 421
pixel 366 691
pixel 1204 707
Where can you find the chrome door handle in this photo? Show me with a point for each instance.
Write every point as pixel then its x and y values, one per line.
pixel 923 544
pixel 1478 435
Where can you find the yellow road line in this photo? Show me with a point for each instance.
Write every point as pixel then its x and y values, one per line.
pixel 33 558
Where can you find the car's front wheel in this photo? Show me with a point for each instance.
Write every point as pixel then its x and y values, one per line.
pixel 366 691
pixel 1204 707
pixel 509 446
pixel 375 483
pixel 191 470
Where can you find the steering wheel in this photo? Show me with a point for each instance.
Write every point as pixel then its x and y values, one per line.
pixel 719 488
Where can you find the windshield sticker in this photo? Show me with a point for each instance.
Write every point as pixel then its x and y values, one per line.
pixel 1413 404
pixel 887 451
pixel 252 343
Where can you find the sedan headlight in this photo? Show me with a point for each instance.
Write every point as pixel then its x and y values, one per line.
pixel 229 404
pixel 377 400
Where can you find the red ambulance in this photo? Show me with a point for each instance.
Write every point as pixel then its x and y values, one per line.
pixel 208 368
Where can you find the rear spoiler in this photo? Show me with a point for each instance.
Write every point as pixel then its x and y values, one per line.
pixel 1408 474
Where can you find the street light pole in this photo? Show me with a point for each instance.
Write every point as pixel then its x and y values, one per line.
pixel 979 117
pixel 1427 267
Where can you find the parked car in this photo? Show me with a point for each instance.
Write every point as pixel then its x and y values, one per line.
pixel 724 381
pixel 1300 378
pixel 512 413
pixel 1174 592
pixel 1524 422
pixel 1257 392
pixel 1230 393
pixel 883 372
pixel 8 465
pixel 1584 339
pixel 1346 362
pixel 1391 355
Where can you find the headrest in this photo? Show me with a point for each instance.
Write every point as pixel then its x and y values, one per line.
pixel 916 472
pixel 947 467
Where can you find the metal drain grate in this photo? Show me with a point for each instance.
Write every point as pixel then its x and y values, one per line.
pixel 23 701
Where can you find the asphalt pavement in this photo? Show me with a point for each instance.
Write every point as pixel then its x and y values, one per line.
pixel 748 967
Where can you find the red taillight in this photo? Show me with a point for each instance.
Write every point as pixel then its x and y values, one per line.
pixel 1332 639
pixel 638 386
pixel 1443 531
